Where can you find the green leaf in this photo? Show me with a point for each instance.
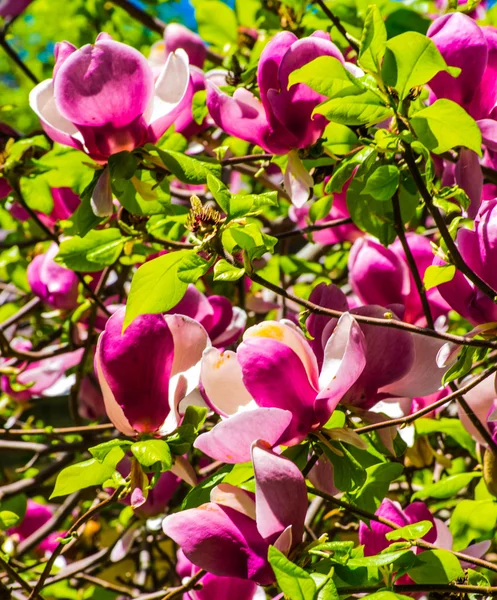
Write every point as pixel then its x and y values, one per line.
pixel 410 532
pixel 438 274
pixel 293 581
pixel 98 249
pixel 155 287
pixel 327 76
pixel 149 452
pixel 8 519
pixel 225 271
pixel 380 560
pixel 452 427
pixel 364 108
pixel 188 169
pixel 411 60
pixel 100 452
pixel 445 125
pixel 217 23
pixel 195 416
pixel 193 267
pixel 320 208
pixel 446 487
pixel 142 195
pixel 382 182
pixel 199 107
pixel 374 490
pixel 37 193
pixel 200 494
pixel 436 566
pixel 346 167
pixel 87 473
pixel 373 41
pixel 221 193
pixel 122 165
pixel 472 521
pixel 348 473
pixel 340 139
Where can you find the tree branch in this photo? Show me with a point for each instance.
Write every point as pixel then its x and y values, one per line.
pixel 399 229
pixel 354 43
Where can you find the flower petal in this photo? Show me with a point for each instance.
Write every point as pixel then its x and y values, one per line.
pixel 280 496
pixel 230 440
pixel 222 541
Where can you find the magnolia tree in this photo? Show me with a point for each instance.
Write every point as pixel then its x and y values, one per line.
pixel 248 303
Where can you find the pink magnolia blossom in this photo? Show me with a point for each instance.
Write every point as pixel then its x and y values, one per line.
pixel 102 98
pixel 399 364
pixel 374 540
pixel 13 8
pixel 473 49
pixel 36 516
pixel 53 284
pixel 280 122
pixel 148 370
pixel 65 202
pixel 230 536
pixel 223 322
pixel 478 249
pixel 382 276
pixel 272 387
pixel 40 375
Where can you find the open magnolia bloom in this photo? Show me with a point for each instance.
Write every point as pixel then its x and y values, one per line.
pixel 280 122
pixel 148 370
pixel 103 100
pixel 272 388
pixel 230 536
pixel 381 276
pixel 399 364
pixel 478 249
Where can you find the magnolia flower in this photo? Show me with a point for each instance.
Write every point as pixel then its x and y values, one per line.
pixel 380 275
pixel 223 322
pixel 148 370
pixel 230 536
pixel 482 400
pixel 53 284
pixel 65 202
pixel 13 8
pixel 280 122
pixel 478 249
pixel 466 45
pixel 399 364
pixel 40 376
pixel 272 388
pixel 374 540
pixel 102 98
pixel 215 587
pixel 35 517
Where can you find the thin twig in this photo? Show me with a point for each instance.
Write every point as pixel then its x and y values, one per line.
pixel 83 519
pixel 427 409
pixel 455 256
pixel 419 543
pixel 413 267
pixel 377 322
pixel 155 24
pixel 354 43
pixel 12 54
pixel 12 573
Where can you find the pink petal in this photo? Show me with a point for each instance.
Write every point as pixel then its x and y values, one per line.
pixel 230 440
pixel 281 495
